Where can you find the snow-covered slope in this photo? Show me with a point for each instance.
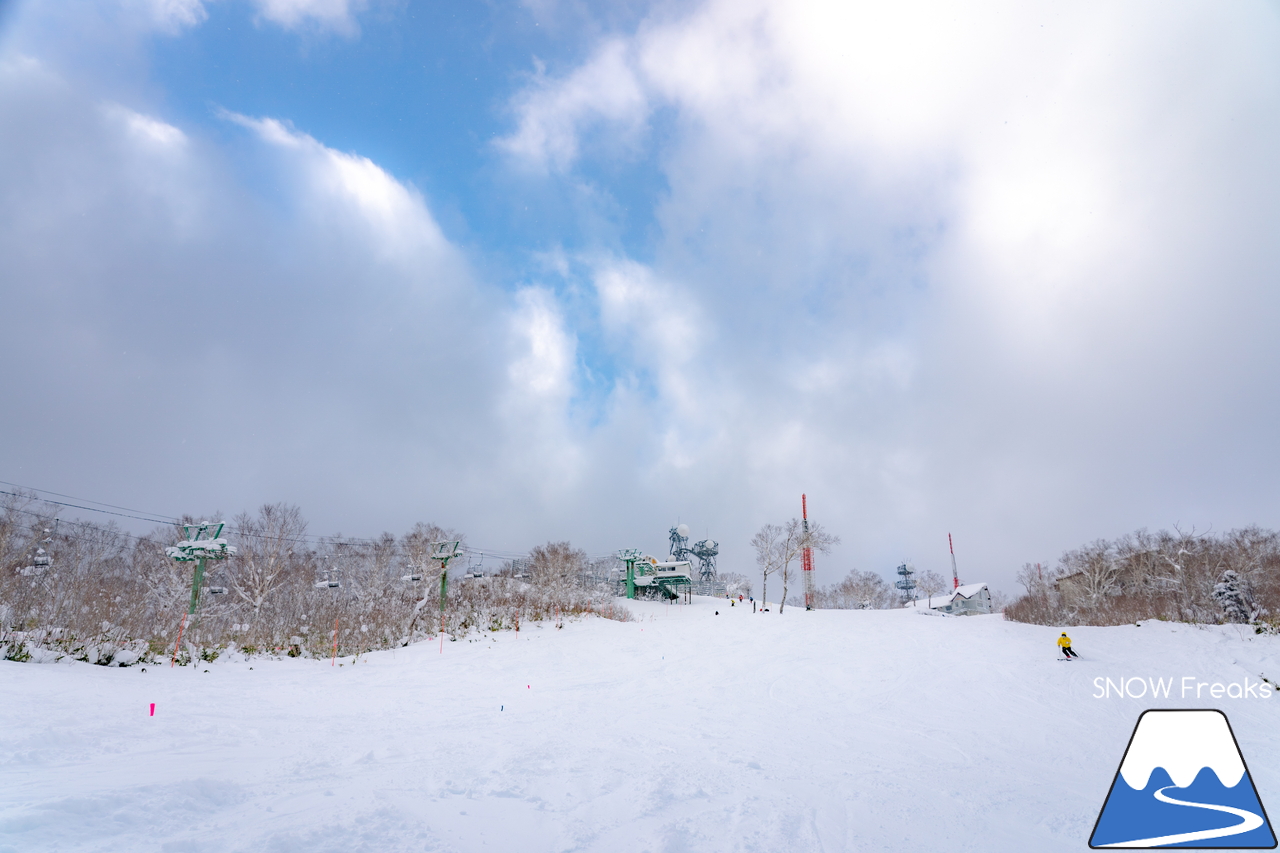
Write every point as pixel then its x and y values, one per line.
pixel 683 731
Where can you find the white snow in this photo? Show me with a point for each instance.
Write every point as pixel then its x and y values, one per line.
pixel 191 549
pixel 1183 744
pixel 683 731
pixel 969 590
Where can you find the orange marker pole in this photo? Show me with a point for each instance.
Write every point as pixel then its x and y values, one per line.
pixel 179 641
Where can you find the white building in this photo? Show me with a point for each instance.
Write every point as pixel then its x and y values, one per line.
pixel 970 599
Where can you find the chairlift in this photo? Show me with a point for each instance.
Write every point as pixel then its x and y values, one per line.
pixel 329 581
pixel 217 590
pixel 412 578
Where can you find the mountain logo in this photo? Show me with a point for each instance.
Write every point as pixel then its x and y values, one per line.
pixel 1183 783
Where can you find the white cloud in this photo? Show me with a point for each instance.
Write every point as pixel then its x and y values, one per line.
pixel 544 371
pixel 941 268
pixel 952 257
pixel 551 116
pixel 336 15
pixel 395 214
pixel 170 16
pixel 162 136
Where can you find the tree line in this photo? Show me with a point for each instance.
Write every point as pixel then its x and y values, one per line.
pixel 99 594
pixel 1177 576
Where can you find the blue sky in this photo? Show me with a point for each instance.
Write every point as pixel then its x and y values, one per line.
pixel 554 270
pixel 422 90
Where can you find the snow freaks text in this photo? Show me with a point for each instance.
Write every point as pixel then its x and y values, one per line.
pixel 1188 687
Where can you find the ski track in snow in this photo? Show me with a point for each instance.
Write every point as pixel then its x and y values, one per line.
pixel 682 731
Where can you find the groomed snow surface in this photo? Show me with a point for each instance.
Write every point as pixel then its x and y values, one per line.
pixel 682 731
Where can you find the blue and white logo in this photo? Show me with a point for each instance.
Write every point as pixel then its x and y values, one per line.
pixel 1183 783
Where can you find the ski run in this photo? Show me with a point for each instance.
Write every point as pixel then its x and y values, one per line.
pixel 684 730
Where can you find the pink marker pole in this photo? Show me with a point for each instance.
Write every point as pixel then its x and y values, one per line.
pixel 153 709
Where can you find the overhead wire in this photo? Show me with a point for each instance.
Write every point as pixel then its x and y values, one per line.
pixel 160 518
pixel 83 500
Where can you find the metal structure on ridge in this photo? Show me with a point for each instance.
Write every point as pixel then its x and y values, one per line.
pixel 907 585
pixel 645 575
pixel 444 552
pixel 955 576
pixel 706 550
pixel 41 561
pixel 806 555
pixel 197 548
pixel 680 542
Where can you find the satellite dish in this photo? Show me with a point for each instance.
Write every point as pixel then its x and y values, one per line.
pixel 683 530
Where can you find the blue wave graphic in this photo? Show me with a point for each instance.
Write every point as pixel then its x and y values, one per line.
pixel 1131 814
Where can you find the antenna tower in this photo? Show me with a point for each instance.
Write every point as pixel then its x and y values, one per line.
pixel 680 542
pixel 955 577
pixel 706 550
pixel 806 556
pixel 907 584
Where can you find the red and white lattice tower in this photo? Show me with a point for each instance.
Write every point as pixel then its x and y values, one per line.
pixel 806 556
pixel 955 576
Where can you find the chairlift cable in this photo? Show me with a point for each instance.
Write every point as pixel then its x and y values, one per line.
pixel 75 498
pixel 160 518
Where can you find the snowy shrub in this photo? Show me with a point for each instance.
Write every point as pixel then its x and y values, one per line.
pixel 108 598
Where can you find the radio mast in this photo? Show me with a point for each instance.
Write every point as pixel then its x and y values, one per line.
pixel 955 578
pixel 806 556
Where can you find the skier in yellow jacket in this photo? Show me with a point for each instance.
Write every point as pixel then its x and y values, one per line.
pixel 1064 642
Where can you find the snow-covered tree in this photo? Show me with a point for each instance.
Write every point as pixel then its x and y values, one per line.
pixel 1035 578
pixel 557 564
pixel 271 548
pixel 858 590
pixel 795 540
pixel 1232 594
pixel 770 546
pixel 931 583
pixel 736 584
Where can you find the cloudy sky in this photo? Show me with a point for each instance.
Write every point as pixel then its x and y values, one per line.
pixel 566 270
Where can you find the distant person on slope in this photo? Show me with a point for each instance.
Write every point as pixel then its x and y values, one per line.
pixel 1064 642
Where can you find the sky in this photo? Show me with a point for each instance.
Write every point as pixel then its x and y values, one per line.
pixel 556 270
